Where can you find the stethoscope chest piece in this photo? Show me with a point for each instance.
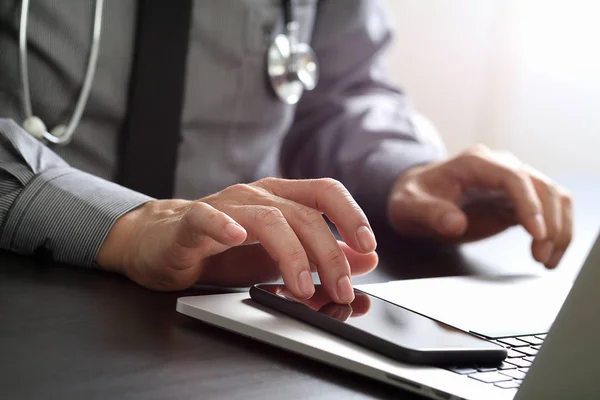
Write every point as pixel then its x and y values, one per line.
pixel 291 65
pixel 292 68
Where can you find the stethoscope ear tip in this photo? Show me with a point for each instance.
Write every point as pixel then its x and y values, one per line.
pixel 35 126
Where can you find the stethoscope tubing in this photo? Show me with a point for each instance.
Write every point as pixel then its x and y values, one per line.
pixel 299 65
pixel 69 130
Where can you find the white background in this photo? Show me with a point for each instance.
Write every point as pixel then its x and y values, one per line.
pixel 517 75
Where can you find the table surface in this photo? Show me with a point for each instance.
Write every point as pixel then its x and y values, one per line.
pixel 67 332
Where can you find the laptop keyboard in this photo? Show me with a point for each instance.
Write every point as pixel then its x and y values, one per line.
pixel 509 375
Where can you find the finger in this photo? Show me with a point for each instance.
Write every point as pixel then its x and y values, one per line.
pixel 552 211
pixel 563 240
pixel 332 198
pixel 361 304
pixel 341 312
pixel 272 230
pixel 488 219
pixel 360 263
pixel 243 266
pixel 416 207
pixel 319 299
pixel 202 223
pixel 322 249
pixel 480 169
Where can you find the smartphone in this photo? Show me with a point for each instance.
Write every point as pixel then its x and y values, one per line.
pixel 384 327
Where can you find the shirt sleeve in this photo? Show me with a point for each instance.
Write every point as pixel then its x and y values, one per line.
pixel 50 208
pixel 356 126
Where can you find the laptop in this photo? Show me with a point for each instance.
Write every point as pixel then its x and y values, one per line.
pixel 553 341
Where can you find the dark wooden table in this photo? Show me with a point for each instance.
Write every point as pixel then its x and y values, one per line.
pixel 69 333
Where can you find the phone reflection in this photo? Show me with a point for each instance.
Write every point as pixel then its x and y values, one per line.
pixel 322 303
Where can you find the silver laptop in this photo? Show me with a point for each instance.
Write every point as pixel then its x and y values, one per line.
pixel 554 342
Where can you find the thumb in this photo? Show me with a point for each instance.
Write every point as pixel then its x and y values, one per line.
pixel 432 213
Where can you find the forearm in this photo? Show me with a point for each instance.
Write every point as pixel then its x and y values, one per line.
pixel 47 206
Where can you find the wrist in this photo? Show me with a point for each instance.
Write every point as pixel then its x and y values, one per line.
pixel 126 242
pixel 112 253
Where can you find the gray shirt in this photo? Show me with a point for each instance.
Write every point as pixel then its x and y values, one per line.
pixel 356 126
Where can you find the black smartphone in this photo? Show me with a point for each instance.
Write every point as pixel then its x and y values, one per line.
pixel 384 327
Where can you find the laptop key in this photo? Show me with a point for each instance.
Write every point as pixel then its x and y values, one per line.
pixel 531 340
pixel 537 347
pixel 524 369
pixel 513 342
pixel 514 354
pixel 508 385
pixel 543 337
pixel 506 365
pixel 514 373
pixel 527 351
pixel 463 371
pixel 529 358
pixel 487 369
pixel 519 362
pixel 490 377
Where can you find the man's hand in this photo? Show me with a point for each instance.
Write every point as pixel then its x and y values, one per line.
pixel 478 194
pixel 246 234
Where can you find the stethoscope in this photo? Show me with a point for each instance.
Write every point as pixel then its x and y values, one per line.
pixel 61 134
pixel 291 66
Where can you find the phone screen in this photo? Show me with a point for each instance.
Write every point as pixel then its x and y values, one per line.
pixel 388 321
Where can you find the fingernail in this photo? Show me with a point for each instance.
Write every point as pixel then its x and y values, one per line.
pixel 366 239
pixel 345 291
pixel 343 313
pixel 546 252
pixel 555 260
pixel 305 283
pixel 234 230
pixel 453 222
pixel 540 226
pixel 337 314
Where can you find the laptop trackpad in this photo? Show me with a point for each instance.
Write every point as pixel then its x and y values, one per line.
pixel 494 306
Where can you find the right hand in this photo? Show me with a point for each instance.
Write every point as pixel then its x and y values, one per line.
pixel 246 234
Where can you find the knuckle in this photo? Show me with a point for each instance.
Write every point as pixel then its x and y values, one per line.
pixel 309 216
pixel 537 176
pixel 209 214
pixel 552 229
pixel 200 214
pixel 336 257
pixel 338 188
pixel 332 184
pixel 566 198
pixel 479 148
pixel 297 256
pixel 507 158
pixel 517 175
pixel 190 217
pixel 241 188
pixel 552 190
pixel 472 158
pixel 270 215
pixel 269 181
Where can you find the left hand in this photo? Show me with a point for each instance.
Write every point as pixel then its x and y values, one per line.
pixel 480 193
